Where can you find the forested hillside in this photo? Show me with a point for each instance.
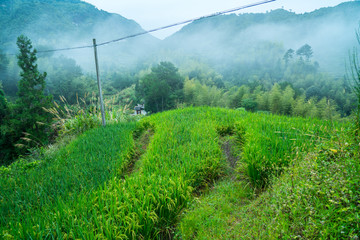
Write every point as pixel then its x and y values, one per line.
pixel 258 40
pixel 54 24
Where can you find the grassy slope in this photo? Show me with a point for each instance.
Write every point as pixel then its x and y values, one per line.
pixel 317 197
pixel 30 193
pixel 184 156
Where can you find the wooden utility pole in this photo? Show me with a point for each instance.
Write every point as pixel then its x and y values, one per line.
pixel 99 84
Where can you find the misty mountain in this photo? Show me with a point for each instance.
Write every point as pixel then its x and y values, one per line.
pixel 230 44
pixel 68 23
pixel 230 41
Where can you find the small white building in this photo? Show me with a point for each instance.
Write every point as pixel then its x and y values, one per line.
pixel 140 110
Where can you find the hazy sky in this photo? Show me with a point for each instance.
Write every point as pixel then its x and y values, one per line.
pixel 157 13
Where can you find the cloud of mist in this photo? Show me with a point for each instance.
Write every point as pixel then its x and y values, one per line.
pixel 224 39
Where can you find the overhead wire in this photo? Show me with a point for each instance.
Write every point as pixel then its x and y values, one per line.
pixel 160 28
pixel 188 21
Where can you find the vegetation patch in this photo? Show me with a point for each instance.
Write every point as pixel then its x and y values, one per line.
pixel 185 154
pixel 31 192
pixel 317 197
pixel 142 136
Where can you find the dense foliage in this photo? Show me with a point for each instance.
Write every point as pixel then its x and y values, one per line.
pixel 162 88
pixel 316 198
pixel 31 100
pixel 27 123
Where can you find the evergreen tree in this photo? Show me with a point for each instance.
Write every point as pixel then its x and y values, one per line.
pixel 3 67
pixel 30 116
pixel 3 106
pixel 305 51
pixel 288 56
pixel 6 148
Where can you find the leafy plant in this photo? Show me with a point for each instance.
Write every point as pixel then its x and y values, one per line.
pixel 84 115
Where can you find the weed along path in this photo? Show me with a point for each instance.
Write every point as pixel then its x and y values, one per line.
pixel 142 136
pixel 165 159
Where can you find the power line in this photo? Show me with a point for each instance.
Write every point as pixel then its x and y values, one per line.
pixel 188 21
pixel 65 49
pixel 160 28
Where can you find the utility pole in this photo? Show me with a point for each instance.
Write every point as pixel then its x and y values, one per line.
pixel 99 85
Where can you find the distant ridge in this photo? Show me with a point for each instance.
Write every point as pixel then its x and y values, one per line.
pixel 330 31
pixel 60 23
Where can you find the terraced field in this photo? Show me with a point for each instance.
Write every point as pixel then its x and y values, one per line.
pixel 134 181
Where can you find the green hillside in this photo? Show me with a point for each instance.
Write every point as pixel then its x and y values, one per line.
pixel 56 24
pixel 49 22
pixel 244 41
pixel 190 173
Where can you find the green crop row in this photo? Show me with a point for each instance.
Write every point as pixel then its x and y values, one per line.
pixel 184 155
pixel 317 197
pixel 27 189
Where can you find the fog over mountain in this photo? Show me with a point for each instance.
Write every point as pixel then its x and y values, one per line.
pixel 329 31
pixel 222 42
pixel 55 24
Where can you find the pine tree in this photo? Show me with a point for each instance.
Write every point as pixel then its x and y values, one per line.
pixel 30 116
pixel 289 55
pixel 3 67
pixel 5 147
pixel 305 51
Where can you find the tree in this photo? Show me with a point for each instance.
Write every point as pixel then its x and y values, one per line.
pixel 63 79
pixel 313 91
pixel 162 88
pixel 299 108
pixel 249 104
pixel 287 100
pixel 30 116
pixel 3 67
pixel 288 56
pixel 305 51
pixel 275 99
pixel 235 101
pixel 3 106
pixel 263 101
pixel 6 149
pixel 327 109
pixel 189 91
